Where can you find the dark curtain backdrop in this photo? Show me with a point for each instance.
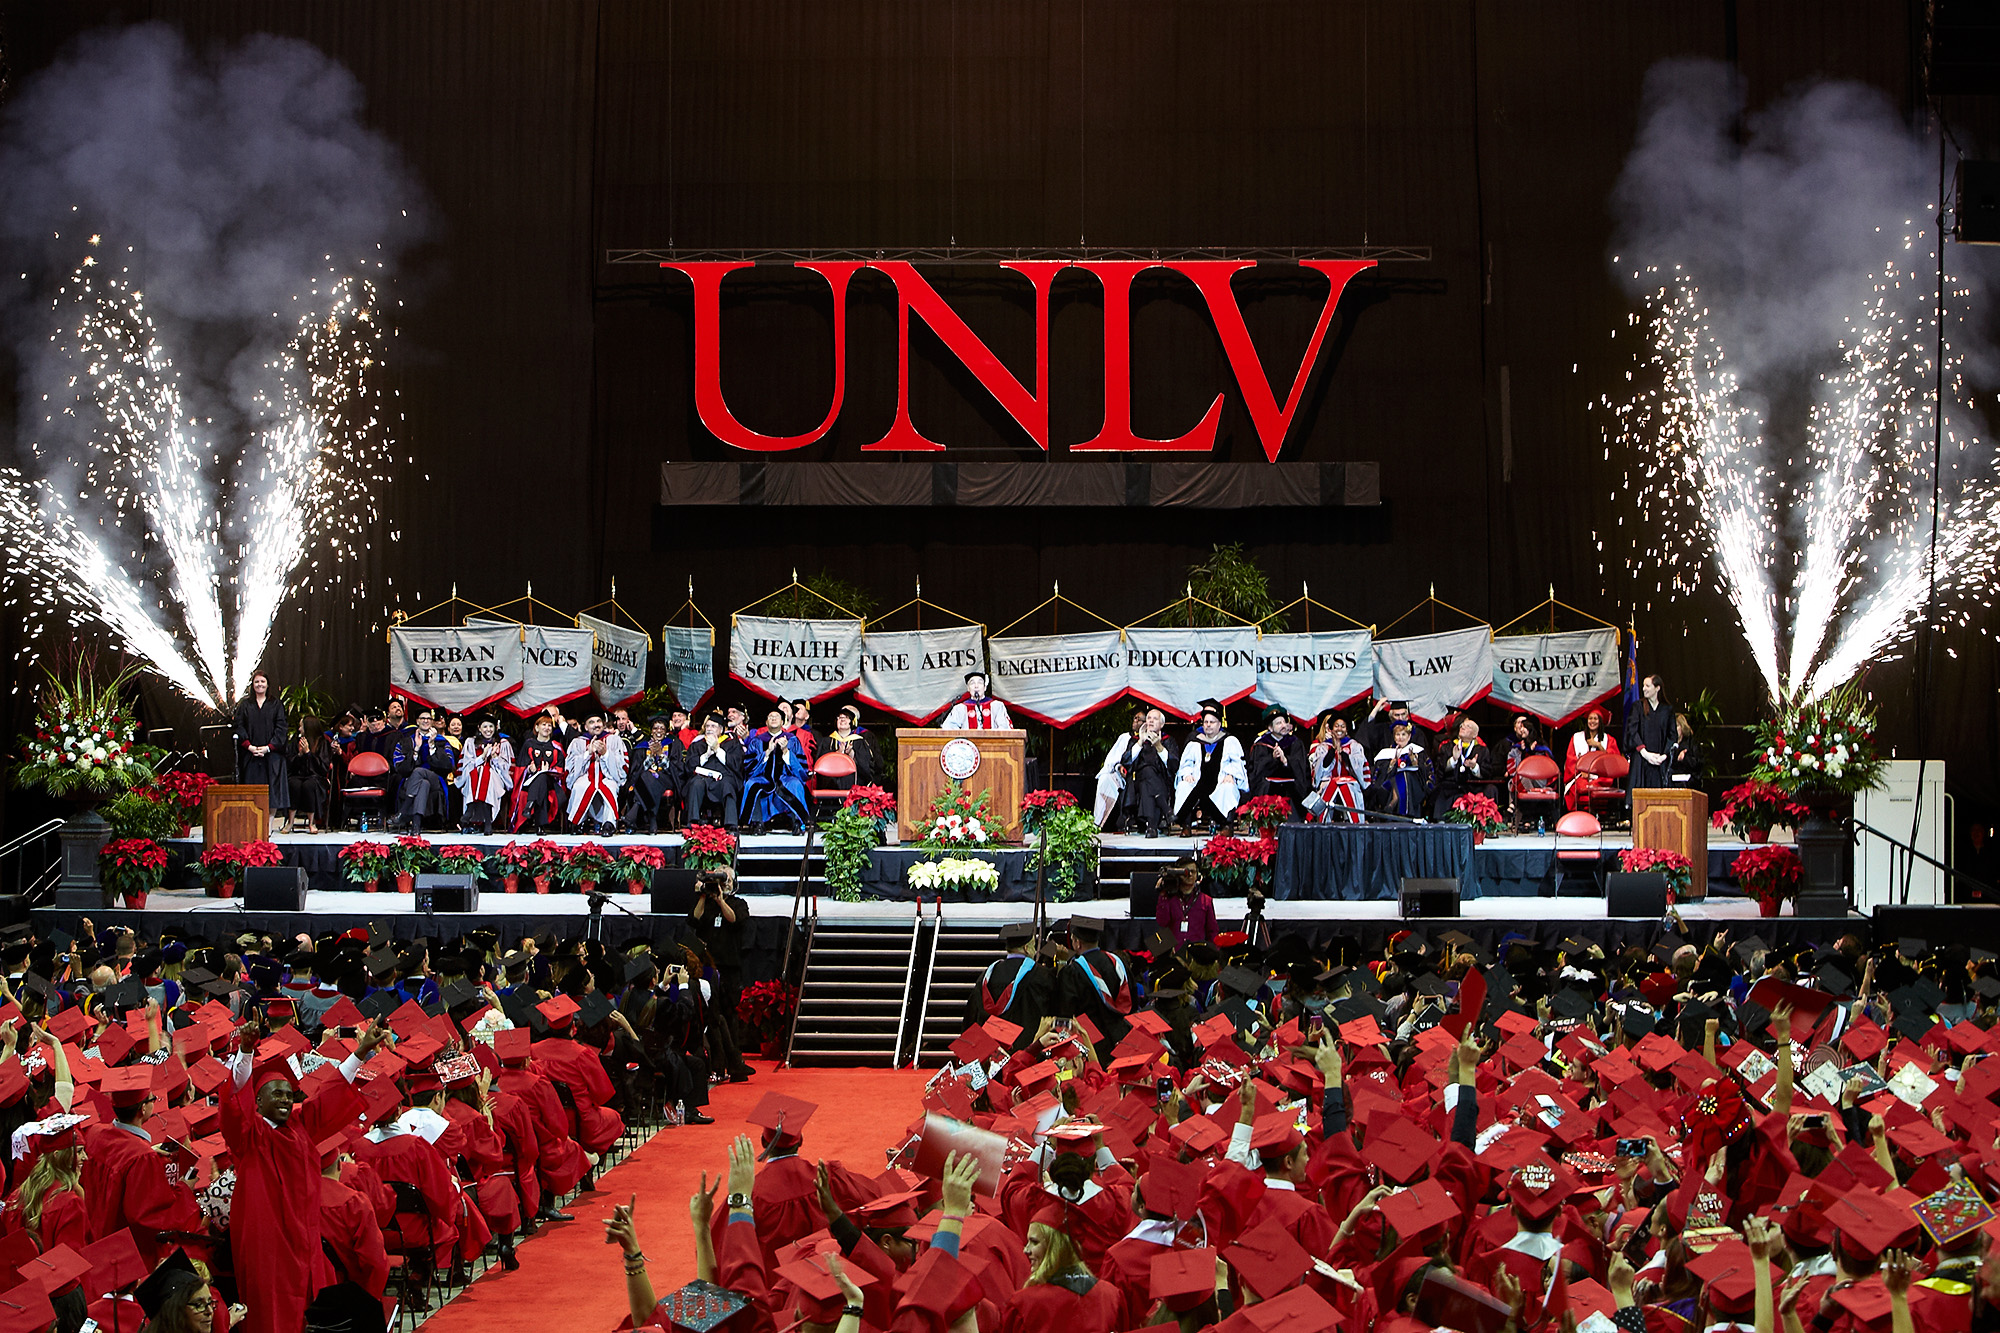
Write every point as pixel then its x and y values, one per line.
pixel 543 388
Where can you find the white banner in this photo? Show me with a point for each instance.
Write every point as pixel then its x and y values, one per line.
pixel 917 674
pixel 1437 673
pixel 688 654
pixel 1057 678
pixel 1556 677
pixel 455 669
pixel 795 659
pixel 617 661
pixel 555 668
pixel 1307 673
pixel 1175 669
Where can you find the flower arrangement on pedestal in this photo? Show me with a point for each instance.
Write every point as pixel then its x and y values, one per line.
pixel 958 819
pixel 707 847
pixel 856 829
pixel 133 867
pixel 1264 813
pixel 364 862
pixel 954 874
pixel 1236 863
pixel 1770 874
pixel 1039 805
pixel 85 743
pixel 585 866
pixel 222 865
pixel 1752 809
pixel 1068 841
pixel 635 862
pixel 766 1008
pixel 1479 810
pixel 1827 745
pixel 1675 866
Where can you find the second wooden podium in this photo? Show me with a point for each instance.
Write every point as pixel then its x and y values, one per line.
pixel 998 763
pixel 1674 819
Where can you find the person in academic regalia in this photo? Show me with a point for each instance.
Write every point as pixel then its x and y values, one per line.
pixel 1376 731
pixel 1464 767
pixel 1577 783
pixel 1685 754
pixel 977 712
pixel 538 781
pixel 1019 988
pixel 1524 742
pixel 714 775
pixel 596 769
pixel 310 770
pixel 848 739
pixel 422 764
pixel 655 779
pixel 799 723
pixel 485 775
pixel 1404 777
pixel 1277 760
pixel 1650 737
pixel 1111 775
pixel 1340 772
pixel 775 773
pixel 260 741
pixel 1094 985
pixel 1144 769
pixel 374 736
pixel 1211 778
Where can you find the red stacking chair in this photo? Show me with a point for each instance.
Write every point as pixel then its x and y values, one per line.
pixel 367 781
pixel 832 764
pixel 1579 844
pixel 1536 788
pixel 1606 771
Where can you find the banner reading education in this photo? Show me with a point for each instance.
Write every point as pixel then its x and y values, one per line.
pixel 917 674
pixel 1057 678
pixel 456 669
pixel 687 652
pixel 795 659
pixel 1307 673
pixel 1175 669
pixel 1556 677
pixel 1437 673
pixel 617 661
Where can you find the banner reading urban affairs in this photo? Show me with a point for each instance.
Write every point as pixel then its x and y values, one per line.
pixel 687 653
pixel 917 674
pixel 1175 669
pixel 458 668
pixel 1438 674
pixel 1057 678
pixel 1556 677
pixel 795 659
pixel 1307 673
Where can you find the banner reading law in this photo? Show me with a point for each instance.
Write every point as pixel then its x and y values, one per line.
pixel 1437 673
pixel 917 674
pixel 1057 678
pixel 617 661
pixel 795 659
pixel 688 655
pixel 457 669
pixel 1556 677
pixel 1307 673
pixel 1175 669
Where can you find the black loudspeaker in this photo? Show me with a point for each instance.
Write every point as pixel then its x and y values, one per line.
pixel 274 889
pixel 1974 925
pixel 1145 893
pixel 1642 895
pixel 673 891
pixel 447 893
pixel 1429 897
pixel 1978 210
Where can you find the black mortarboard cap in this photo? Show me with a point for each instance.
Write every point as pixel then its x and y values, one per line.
pixel 637 969
pixel 175 1274
pixel 1912 948
pixel 125 996
pixel 1569 1003
pixel 381 962
pixel 592 1009
pixel 457 993
pixel 381 1004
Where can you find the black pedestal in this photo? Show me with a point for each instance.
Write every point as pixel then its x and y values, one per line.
pixel 1822 844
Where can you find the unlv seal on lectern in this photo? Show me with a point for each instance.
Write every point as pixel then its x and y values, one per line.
pixel 959 759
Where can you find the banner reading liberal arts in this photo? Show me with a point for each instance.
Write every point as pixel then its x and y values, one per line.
pixel 617 661
pixel 1306 674
pixel 1556 677
pixel 455 669
pixel 1057 678
pixel 917 674
pixel 1175 669
pixel 1438 674
pixel 795 659
pixel 688 654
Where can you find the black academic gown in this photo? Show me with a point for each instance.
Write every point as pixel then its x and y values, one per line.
pixel 1458 776
pixel 421 767
pixel 1278 767
pixel 1378 734
pixel 1653 731
pixel 861 750
pixel 1017 989
pixel 654 787
pixel 263 725
pixel 1148 798
pixel 715 781
pixel 1078 995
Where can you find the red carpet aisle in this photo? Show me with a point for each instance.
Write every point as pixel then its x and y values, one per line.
pixel 569 1280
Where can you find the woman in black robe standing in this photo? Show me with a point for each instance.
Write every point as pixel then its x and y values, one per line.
pixel 1650 737
pixel 260 742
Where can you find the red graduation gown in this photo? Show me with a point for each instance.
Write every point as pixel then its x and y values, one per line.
pixel 578 1068
pixel 560 1163
pixel 125 1185
pixel 65 1221
pixel 347 1224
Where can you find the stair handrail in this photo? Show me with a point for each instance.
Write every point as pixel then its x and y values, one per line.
pixel 811 927
pixel 16 851
pixel 1927 859
pixel 930 974
pixel 798 895
pixel 909 978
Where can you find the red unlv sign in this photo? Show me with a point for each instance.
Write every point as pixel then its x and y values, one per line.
pixel 1028 406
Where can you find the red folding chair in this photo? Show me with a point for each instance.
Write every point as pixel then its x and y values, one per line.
pixel 832 764
pixel 1536 788
pixel 367 782
pixel 1579 845
pixel 1607 770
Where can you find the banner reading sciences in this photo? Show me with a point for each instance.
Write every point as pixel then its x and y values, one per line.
pixel 795 659
pixel 1556 677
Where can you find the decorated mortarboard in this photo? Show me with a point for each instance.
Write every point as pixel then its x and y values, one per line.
pixel 1953 1212
pixel 700 1307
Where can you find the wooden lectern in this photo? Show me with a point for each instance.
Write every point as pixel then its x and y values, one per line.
pixel 235 813
pixel 1674 819
pixel 920 775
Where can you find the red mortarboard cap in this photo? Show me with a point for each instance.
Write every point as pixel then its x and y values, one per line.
pixel 1418 1209
pixel 975 1044
pixel 1275 1134
pixel 1863 1039
pixel 344 1014
pixel 1269 1259
pixel 16 1248
pixel 1301 1310
pixel 558 1010
pixel 129 1086
pixel 1919 1138
pixel 1198 1133
pixel 1868 1223
pixel 511 1044
pixel 68 1025
pixel 1953 1211
pixel 423 1081
pixel 813 1277
pixel 419 1050
pixel 333 1145
pixel 380 1097
pixel 1539 1190
pixel 114 1261
pixel 1171 1188
pixel 55 1270
pixel 1183 1278
pixel 26 1309
pixel 939 1285
pixel 1729 1275
pixel 888 1210
pixel 409 1016
pixel 1398 1146
pixel 784 1115
pixel 1002 1031
pixel 13 1082
pixel 1867 1300
pixel 114 1044
pixel 1151 1021
pixel 1362 1031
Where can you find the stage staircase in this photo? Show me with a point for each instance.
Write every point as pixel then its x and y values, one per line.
pixel 960 955
pixel 858 987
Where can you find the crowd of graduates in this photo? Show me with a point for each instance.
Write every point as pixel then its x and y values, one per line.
pixel 312 1132
pixel 1687 1137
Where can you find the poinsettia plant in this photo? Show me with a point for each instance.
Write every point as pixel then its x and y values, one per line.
pixel 228 860
pixel 1232 862
pixel 873 803
pixel 585 863
pixel 520 858
pixel 364 862
pixel 412 856
pixel 707 847
pixel 957 818
pixel 183 789
pixel 1753 806
pixel 1477 809
pixel 132 865
pixel 1675 866
pixel 1264 813
pixel 767 1004
pixel 637 860
pixel 1770 874
pixel 1037 806
pixel 461 860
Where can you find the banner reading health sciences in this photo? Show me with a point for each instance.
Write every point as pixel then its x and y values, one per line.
pixel 617 661
pixel 1556 677
pixel 1057 678
pixel 917 674
pixel 795 659
pixel 1437 673
pixel 688 654
pixel 456 669
pixel 1175 669
pixel 1307 673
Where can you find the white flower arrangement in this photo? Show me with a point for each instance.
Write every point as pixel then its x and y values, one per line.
pixel 954 872
pixel 961 830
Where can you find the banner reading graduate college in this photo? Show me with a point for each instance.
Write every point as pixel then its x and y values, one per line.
pixel 917 674
pixel 687 652
pixel 1556 677
pixel 1307 673
pixel 1437 673
pixel 456 669
pixel 1175 669
pixel 617 661
pixel 1057 678
pixel 795 659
